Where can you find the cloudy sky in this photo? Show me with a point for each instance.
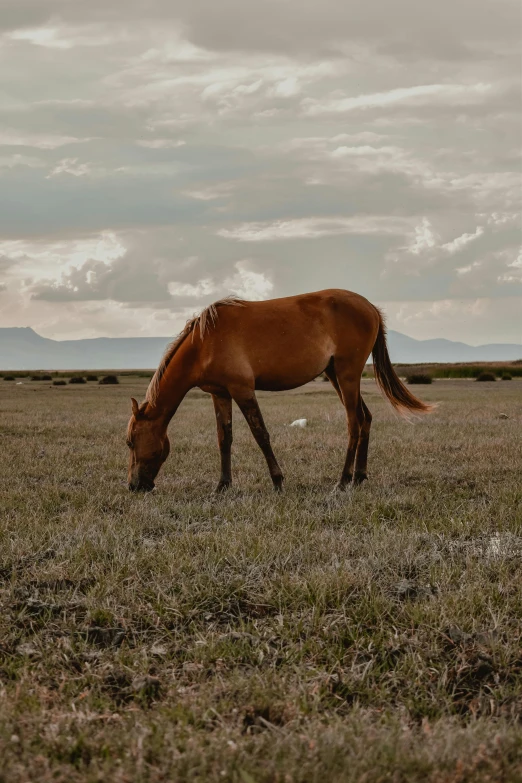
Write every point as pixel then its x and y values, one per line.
pixel 156 155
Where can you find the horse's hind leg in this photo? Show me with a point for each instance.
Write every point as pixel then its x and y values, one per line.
pixel 361 457
pixel 250 409
pixel 349 385
pixel 223 410
pixel 332 377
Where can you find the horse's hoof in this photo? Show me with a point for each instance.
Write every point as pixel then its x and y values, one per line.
pixel 359 478
pixel 278 485
pixel 222 487
pixel 341 487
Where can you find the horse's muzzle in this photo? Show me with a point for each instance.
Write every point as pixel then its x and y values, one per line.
pixel 141 486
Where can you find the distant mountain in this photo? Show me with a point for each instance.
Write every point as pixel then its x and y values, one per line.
pixel 409 351
pixel 24 349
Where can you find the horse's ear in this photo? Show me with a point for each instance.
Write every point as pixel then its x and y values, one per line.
pixel 135 407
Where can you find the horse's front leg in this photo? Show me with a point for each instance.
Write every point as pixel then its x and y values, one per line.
pixel 252 413
pixel 223 410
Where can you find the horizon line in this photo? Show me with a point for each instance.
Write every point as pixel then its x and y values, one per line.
pixel 170 337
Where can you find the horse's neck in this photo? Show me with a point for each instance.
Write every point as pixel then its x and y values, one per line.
pixel 176 382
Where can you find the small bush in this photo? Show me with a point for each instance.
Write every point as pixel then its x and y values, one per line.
pixel 109 379
pixel 419 378
pixel 486 376
pixel 9 377
pixel 36 378
pixel 60 383
pixel 92 377
pixel 506 376
pixel 77 379
pixel 47 377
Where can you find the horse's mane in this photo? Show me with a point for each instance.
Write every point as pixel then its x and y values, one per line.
pixel 206 318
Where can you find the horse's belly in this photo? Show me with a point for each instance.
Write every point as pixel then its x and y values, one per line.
pixel 290 374
pixel 282 384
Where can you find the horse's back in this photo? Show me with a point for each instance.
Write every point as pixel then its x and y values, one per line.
pixel 284 343
pixel 319 305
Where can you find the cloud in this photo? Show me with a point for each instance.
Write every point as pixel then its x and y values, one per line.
pixel 71 166
pixel 486 185
pixel 459 242
pixel 5 263
pixel 464 270
pixel 140 158
pixel 41 36
pixel 468 319
pixel 501 219
pixel 421 94
pixel 161 144
pixel 125 277
pixel 309 29
pixel 314 228
pixel 62 36
pixel 211 192
pixel 125 280
pixel 423 239
pixel 514 273
pixel 249 284
pixel 13 138
pixel 201 288
pixel 37 258
pixel 11 161
pixel 517 263
pixel 427 256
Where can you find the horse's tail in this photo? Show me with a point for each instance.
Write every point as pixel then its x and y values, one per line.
pixel 390 383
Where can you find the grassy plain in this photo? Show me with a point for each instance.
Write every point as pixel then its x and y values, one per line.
pixel 179 636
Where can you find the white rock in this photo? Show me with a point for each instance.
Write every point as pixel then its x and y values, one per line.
pixel 159 650
pixel 27 649
pixel 503 545
pixel 494 545
pixel 299 423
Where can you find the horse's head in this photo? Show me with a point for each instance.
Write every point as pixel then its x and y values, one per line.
pixel 149 448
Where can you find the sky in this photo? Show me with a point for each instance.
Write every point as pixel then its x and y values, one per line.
pixel 157 155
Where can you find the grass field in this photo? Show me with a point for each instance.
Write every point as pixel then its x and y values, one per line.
pixel 180 636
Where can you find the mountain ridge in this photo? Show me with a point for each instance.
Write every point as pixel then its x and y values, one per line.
pixel 21 348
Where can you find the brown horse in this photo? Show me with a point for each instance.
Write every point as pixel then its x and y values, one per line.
pixel 235 347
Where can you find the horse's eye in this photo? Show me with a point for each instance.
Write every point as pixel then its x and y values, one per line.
pixel 129 444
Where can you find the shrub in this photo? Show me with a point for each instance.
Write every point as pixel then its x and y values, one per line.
pixel 458 370
pixel 59 383
pixel 35 378
pixel 77 379
pixel 419 378
pixel 92 377
pixel 486 376
pixel 46 377
pixel 506 376
pixel 9 377
pixel 109 379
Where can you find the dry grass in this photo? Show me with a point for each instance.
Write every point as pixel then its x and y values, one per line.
pixel 179 636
